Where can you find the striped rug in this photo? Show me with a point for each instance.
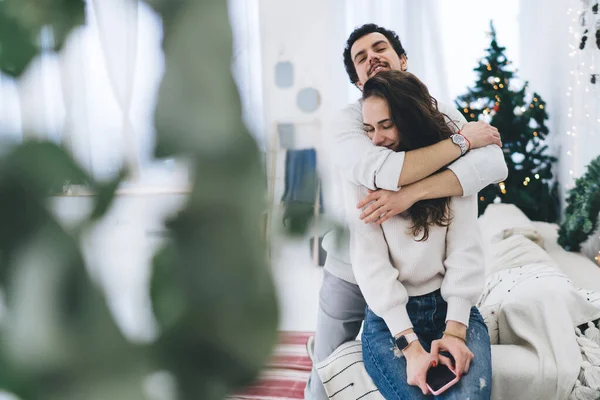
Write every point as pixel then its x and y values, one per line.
pixel 286 374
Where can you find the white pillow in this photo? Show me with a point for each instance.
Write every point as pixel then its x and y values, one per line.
pixel 344 375
pixel 500 221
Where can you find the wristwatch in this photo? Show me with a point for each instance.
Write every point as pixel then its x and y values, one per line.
pixel 461 142
pixel 405 340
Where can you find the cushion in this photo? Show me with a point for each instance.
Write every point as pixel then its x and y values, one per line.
pixel 343 374
pixel 582 271
pixel 500 221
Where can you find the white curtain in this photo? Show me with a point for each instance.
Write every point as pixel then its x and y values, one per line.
pixel 98 95
pixel 123 64
pixel 116 22
pixel 75 87
pixel 246 63
pixel 581 107
pixel 551 59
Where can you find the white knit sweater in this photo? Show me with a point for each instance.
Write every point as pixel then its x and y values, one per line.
pixel 390 265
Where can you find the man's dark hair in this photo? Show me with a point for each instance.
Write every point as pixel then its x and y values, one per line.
pixel 359 32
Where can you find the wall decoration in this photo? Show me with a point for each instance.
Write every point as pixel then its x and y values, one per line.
pixel 287 135
pixel 284 74
pixel 308 100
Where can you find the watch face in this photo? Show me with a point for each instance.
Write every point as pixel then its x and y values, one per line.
pixel 458 139
pixel 401 342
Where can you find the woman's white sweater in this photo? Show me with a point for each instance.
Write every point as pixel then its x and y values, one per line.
pixel 390 265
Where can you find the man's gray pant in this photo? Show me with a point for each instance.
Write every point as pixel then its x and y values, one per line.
pixel 340 316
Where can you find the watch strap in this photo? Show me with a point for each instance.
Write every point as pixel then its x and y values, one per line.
pixel 402 342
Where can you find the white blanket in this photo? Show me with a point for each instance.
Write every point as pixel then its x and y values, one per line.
pixel 539 309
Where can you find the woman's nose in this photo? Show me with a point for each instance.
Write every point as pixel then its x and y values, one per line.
pixel 378 139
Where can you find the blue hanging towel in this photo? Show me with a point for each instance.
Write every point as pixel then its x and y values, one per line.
pixel 300 180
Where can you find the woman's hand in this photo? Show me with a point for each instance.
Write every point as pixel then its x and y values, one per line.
pixel 385 204
pixel 418 361
pixel 459 350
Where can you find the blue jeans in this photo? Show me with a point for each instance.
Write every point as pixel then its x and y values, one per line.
pixel 428 314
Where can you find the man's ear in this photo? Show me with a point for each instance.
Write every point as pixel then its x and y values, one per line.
pixel 403 62
pixel 359 85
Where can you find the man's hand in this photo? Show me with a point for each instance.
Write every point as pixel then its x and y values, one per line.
pixel 481 134
pixel 385 204
pixel 418 361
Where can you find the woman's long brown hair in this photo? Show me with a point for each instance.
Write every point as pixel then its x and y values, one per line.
pixel 415 114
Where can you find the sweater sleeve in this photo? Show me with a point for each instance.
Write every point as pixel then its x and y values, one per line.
pixel 358 159
pixel 464 262
pixel 479 167
pixel 374 272
pixel 376 167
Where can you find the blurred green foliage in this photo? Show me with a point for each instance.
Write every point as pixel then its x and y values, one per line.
pixel 21 24
pixel 583 208
pixel 211 287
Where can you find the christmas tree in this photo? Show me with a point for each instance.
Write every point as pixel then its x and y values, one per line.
pixel 520 118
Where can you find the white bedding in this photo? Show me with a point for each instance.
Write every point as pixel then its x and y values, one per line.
pixel 538 310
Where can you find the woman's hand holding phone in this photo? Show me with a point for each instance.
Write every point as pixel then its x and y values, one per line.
pixel 418 361
pixel 459 350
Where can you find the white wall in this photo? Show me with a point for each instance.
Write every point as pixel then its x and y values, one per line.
pixel 309 34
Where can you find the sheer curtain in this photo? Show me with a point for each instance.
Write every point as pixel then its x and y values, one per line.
pixel 98 95
pixel 116 22
pixel 123 64
pixel 246 63
pixel 579 110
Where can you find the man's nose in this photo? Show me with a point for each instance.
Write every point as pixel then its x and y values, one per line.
pixel 373 58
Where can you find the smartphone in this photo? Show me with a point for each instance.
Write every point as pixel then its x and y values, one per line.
pixel 440 378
